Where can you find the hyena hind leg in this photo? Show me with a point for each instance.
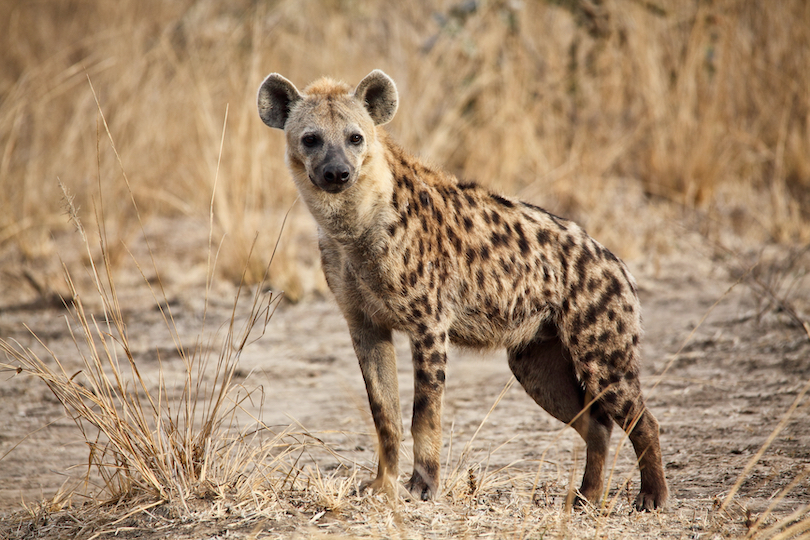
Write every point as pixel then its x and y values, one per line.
pixel 644 436
pixel 545 370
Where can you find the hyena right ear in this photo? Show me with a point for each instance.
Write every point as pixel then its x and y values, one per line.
pixel 379 94
pixel 277 95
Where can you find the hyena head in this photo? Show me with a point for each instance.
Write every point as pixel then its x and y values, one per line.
pixel 330 129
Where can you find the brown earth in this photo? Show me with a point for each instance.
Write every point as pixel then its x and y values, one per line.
pixel 719 388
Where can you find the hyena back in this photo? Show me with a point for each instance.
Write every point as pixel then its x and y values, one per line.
pixel 407 247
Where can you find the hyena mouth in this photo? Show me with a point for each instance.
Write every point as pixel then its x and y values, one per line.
pixel 332 186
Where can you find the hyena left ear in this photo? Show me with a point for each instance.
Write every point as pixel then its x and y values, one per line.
pixel 379 94
pixel 277 95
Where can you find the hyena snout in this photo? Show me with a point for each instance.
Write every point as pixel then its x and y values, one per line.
pixel 334 174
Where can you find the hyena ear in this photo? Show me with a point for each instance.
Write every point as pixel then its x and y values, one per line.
pixel 379 94
pixel 277 95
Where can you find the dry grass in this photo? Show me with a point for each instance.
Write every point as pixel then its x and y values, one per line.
pixel 586 108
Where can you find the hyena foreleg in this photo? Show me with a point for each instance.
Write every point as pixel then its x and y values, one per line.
pixel 378 363
pixel 429 352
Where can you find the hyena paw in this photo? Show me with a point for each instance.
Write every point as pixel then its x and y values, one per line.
pixel 388 486
pixel 378 485
pixel 420 488
pixel 652 500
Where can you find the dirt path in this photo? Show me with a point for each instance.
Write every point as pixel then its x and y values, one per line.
pixel 718 400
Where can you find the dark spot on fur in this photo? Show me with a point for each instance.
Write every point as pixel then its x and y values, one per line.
pixel 576 288
pixel 543 237
pixel 588 357
pixel 610 397
pixel 610 256
pixel 480 277
pixel 611 314
pixel 579 323
pixel 468 224
pixel 408 183
pixel 440 376
pixel 455 240
pixel 471 255
pixel 620 327
pixel 420 403
pixel 485 253
pixel 604 337
pixel 438 358
pixel 523 244
pixel 424 198
pixel 497 240
pixel 428 341
pixel 584 259
pixel 422 376
pixel 502 201
pixel 568 244
pixel 467 185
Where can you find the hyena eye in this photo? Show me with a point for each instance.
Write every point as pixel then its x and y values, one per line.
pixel 310 140
pixel 356 139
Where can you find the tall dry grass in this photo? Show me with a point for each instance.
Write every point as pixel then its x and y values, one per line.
pixel 598 110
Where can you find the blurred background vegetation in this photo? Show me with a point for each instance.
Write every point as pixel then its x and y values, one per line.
pixel 627 115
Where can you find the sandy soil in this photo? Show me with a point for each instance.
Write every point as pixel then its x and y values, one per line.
pixel 718 393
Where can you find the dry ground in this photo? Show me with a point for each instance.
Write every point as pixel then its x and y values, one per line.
pixel 718 393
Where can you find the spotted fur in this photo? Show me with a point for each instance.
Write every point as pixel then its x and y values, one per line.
pixel 406 246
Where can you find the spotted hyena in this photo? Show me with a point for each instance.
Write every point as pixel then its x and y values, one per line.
pixel 406 246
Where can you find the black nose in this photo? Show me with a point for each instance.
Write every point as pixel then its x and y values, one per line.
pixel 337 173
